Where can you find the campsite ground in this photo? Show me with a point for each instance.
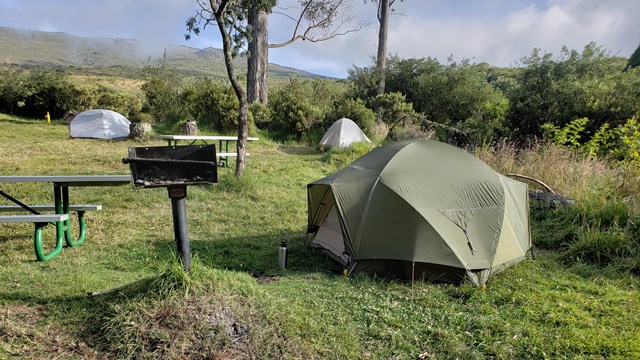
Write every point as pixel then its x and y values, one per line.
pixel 237 304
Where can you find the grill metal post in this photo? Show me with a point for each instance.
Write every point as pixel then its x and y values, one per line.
pixel 178 196
pixel 174 167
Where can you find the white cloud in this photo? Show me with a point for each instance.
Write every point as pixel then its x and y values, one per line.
pixel 499 32
pixel 500 37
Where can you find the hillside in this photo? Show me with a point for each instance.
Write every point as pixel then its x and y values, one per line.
pixel 124 57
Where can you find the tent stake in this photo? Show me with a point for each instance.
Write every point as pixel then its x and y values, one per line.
pixel 413 273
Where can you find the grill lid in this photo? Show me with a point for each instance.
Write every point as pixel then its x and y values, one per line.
pixel 164 166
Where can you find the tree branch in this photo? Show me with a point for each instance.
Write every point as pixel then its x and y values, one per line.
pixel 319 20
pixel 549 189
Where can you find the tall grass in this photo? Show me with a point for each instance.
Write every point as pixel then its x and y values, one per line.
pixel 602 228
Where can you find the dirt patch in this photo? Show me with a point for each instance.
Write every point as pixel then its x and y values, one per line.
pixel 24 333
pixel 196 327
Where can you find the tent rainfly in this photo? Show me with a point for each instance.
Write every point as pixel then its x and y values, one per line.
pixel 99 124
pixel 342 133
pixel 423 209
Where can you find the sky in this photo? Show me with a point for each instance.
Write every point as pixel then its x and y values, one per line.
pixel 499 32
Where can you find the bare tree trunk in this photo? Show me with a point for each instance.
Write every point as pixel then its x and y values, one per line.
pixel 258 61
pixel 381 60
pixel 243 114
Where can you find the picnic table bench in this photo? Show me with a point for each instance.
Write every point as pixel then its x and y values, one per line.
pixel 61 208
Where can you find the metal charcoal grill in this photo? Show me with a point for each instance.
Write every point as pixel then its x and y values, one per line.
pixel 174 167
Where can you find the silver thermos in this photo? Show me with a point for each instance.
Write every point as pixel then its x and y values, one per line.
pixel 282 255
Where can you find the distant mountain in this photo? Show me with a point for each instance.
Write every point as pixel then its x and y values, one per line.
pixel 29 48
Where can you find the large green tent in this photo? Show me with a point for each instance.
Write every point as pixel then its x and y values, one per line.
pixel 423 209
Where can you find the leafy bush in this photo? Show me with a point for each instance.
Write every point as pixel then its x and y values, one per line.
pixel 355 110
pixel 292 112
pixel 620 144
pixel 35 93
pixel 453 94
pixel 340 157
pixel 212 104
pixel 163 101
pixel 261 114
pixel 588 84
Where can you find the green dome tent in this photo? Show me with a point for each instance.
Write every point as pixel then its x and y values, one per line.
pixel 421 208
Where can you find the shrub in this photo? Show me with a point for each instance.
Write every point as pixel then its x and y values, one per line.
pixel 292 112
pixel 340 157
pixel 212 104
pixel 163 101
pixel 355 110
pixel 35 93
pixel 261 114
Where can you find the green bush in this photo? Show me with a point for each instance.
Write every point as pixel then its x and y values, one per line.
pixel 213 104
pixel 587 84
pixel 355 110
pixel 35 93
pixel 340 157
pixel 163 101
pixel 292 112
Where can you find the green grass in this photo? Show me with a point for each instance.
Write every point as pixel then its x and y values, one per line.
pixel 236 303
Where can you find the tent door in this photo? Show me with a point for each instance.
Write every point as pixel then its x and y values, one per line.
pixel 329 237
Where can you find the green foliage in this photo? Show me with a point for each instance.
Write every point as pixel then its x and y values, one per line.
pixel 601 143
pixel 627 146
pixel 634 59
pixel 339 157
pixel 34 93
pixel 575 85
pixel 453 94
pixel 394 107
pixel 620 144
pixel 261 114
pixel 569 135
pixel 293 111
pixel 355 110
pixel 213 104
pixel 163 101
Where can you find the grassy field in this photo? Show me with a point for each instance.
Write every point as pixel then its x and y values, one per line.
pixel 236 303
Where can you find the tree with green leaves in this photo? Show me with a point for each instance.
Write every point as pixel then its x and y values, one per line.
pixel 230 16
pixel 576 84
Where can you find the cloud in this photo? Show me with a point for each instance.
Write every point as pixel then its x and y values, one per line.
pixel 499 32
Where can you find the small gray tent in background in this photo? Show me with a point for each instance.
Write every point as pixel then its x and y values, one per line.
pixel 99 124
pixel 342 133
pixel 421 208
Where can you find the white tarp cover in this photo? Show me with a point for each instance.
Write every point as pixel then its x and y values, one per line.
pixel 343 133
pixel 99 124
